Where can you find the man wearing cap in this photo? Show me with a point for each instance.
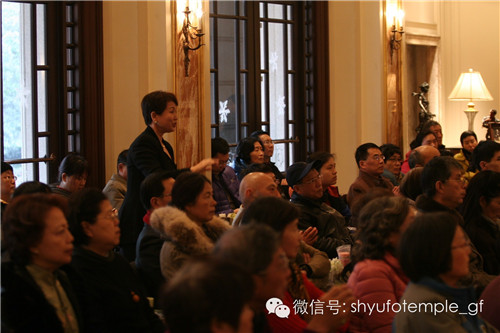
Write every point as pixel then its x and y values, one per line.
pixel 370 161
pixel 315 215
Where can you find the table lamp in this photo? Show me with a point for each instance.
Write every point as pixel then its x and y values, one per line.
pixel 470 87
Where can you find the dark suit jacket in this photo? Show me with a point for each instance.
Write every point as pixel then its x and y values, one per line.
pixel 145 156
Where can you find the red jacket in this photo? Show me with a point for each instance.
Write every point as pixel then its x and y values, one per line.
pixel 376 282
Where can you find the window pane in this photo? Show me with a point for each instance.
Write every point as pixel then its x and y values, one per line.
pixel 275 11
pixel 226 7
pixel 227 74
pixel 41 49
pixel 42 100
pixel 243 41
pixel 71 121
pixel 17 80
pixel 277 83
pixel 263 96
pixel 279 154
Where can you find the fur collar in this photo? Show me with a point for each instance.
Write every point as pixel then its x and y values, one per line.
pixel 174 225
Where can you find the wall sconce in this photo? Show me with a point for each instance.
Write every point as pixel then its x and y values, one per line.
pixel 397 30
pixel 470 87
pixel 191 34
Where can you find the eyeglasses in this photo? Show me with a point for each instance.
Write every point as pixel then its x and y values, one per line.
pixel 113 214
pixel 9 177
pixel 394 159
pixel 378 157
pixel 268 142
pixel 315 179
pixel 462 180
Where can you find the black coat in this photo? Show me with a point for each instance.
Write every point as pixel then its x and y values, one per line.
pixel 145 156
pixel 486 236
pixel 331 225
pixel 24 306
pixel 112 294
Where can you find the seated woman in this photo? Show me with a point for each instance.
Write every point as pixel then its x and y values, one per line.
pixel 427 138
pixel 249 150
pixel 468 139
pixel 36 295
pixel 331 196
pixel 114 298
pixel 481 212
pixel 201 288
pixel 73 172
pixel 283 217
pixel 377 277
pixel 189 228
pixel 392 163
pixel 434 254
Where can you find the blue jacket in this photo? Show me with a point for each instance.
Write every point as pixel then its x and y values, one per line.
pixel 233 185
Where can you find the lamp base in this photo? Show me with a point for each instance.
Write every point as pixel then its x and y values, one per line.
pixel 471 114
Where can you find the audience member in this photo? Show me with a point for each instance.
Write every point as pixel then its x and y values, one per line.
pixel 486 156
pixel 435 127
pixel 434 254
pixel 420 156
pixel 481 212
pixel 8 185
pixel 411 186
pixel 283 217
pixel 370 161
pixel 257 248
pixel 392 163
pixel 208 296
pixel 253 186
pixel 331 196
pixel 115 300
pixel 31 188
pixel 116 188
pixel 249 150
pixel 268 146
pixel 424 138
pixel 189 226
pixel 155 192
pixel 225 183
pixel 443 188
pixel 468 139
pixel 73 172
pixel 377 277
pixel 36 295
pixel 147 154
pixel 323 227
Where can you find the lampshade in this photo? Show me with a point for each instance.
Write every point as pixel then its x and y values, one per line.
pixel 470 87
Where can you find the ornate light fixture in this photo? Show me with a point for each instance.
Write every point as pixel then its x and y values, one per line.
pixel 397 30
pixel 191 34
pixel 470 87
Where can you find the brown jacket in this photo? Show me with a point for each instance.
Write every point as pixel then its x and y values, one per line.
pixel 363 183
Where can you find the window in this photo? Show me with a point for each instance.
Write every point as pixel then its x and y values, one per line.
pixel 262 74
pixel 43 85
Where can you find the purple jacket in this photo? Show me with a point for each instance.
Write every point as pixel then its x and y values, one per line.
pixel 233 185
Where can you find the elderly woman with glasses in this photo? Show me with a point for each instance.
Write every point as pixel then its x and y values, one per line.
pixel 114 297
pixel 435 254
